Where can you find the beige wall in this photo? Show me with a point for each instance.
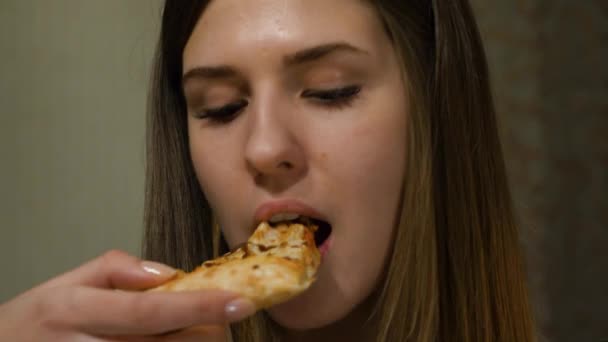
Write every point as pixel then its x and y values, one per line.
pixel 73 78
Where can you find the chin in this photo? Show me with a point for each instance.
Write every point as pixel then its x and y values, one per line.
pixel 291 315
pixel 316 308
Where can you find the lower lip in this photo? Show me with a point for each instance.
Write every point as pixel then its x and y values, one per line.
pixel 325 246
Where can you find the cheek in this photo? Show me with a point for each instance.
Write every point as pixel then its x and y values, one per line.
pixel 204 154
pixel 367 154
pixel 214 159
pixel 368 174
pixel 213 154
pixel 370 165
pixel 374 151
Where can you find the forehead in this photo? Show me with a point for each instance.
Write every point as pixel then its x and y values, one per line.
pixel 233 29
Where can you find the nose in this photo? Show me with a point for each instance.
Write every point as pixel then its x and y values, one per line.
pixel 273 152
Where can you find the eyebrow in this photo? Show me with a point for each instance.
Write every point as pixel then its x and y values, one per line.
pixel 318 52
pixel 298 58
pixel 215 72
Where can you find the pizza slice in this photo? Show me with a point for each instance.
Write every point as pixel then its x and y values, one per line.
pixel 276 264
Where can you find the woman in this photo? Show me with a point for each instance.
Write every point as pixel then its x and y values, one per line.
pixel 375 117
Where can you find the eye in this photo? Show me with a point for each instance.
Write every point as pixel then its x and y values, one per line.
pixel 333 97
pixel 225 113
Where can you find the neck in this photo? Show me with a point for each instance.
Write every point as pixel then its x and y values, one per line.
pixel 358 325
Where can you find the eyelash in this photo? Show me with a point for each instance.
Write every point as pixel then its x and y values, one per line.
pixel 332 99
pixel 225 113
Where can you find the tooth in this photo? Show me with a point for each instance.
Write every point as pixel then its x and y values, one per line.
pixel 283 217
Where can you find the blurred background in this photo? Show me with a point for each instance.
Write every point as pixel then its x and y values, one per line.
pixel 73 81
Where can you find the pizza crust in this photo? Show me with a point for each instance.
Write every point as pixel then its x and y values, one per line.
pixel 276 264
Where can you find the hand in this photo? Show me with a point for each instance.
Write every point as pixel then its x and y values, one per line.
pixel 94 303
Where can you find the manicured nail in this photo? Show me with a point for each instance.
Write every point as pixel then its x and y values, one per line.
pixel 159 270
pixel 238 309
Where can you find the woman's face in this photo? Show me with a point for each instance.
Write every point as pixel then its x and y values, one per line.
pixel 298 106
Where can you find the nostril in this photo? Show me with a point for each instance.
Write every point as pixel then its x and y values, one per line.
pixel 285 165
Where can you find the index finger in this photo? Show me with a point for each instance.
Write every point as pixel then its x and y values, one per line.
pixel 108 312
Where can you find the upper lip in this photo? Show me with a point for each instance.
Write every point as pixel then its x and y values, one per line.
pixel 265 211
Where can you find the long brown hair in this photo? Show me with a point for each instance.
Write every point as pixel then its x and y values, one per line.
pixel 455 272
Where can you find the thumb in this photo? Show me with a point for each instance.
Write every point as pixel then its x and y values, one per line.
pixel 116 270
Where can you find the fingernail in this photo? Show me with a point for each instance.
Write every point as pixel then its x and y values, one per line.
pixel 157 269
pixel 238 309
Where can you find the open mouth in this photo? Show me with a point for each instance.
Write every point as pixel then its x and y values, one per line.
pixel 321 235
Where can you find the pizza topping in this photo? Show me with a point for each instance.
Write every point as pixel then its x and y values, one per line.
pixel 265 248
pixel 322 232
